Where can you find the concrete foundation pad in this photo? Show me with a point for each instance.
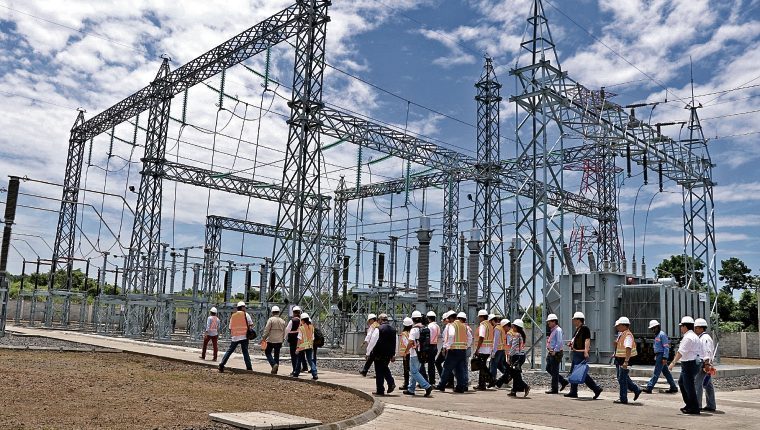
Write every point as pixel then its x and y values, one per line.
pixel 263 420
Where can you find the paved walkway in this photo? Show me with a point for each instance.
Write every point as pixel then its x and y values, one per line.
pixel 487 410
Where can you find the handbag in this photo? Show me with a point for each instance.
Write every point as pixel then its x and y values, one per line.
pixel 251 333
pixel 475 364
pixel 579 373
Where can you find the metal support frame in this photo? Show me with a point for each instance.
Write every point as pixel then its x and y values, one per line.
pixel 450 237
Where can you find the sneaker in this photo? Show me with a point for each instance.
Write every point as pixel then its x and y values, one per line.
pixel 551 392
pixel 275 368
pixel 706 409
pixel 428 391
pixel 391 388
pixel 407 392
pixel 314 378
pixel 636 395
pixel 596 393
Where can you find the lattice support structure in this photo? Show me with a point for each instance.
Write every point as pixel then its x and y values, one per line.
pixel 144 252
pixel 488 192
pixel 450 237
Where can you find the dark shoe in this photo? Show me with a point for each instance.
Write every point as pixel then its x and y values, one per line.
pixel 407 392
pixel 275 368
pixel 646 390
pixel 597 393
pixel 479 388
pixel 620 402
pixel 378 394
pixel 564 385
pixel 221 369
pixel 705 409
pixel 689 411
pixel 551 392
pixel 363 373
pixel 441 389
pixel 571 395
pixel 672 391
pixel 512 394
pixel 391 388
pixel 203 358
pixel 636 395
pixel 314 378
pixel 458 390
pixel 428 391
pixel 490 385
pixel 499 383
pixel 527 390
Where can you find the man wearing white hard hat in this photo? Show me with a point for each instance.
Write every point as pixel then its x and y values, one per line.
pixel 383 346
pixel 444 333
pixel 403 347
pixel 580 345
pixel 661 355
pixel 211 334
pixel 417 348
pixel 688 352
pixel 291 331
pixel 435 334
pixel 704 364
pixel 274 334
pixel 372 325
pixel 498 359
pixel 240 322
pixel 625 348
pixel 483 349
pixel 554 353
pixel 455 344
pixel 505 326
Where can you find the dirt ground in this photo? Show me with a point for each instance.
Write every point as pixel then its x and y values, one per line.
pixel 52 390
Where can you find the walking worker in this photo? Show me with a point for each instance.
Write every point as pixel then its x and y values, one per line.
pixel 274 334
pixel 580 345
pixel 461 316
pixel 498 358
pixel 403 348
pixel 415 351
pixel 372 325
pixel 383 345
pixel 625 348
pixel 688 351
pixel 455 349
pixel 516 341
pixel 291 330
pixel 661 355
pixel 704 363
pixel 305 346
pixel 444 333
pixel 432 355
pixel 506 375
pixel 483 349
pixel 211 334
pixel 554 354
pixel 240 321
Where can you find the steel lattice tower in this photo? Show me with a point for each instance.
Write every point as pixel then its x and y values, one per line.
pixel 450 237
pixel 488 192
pixel 302 253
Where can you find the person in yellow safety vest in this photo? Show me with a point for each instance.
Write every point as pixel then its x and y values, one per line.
pixel 305 346
pixel 506 376
pixel 403 348
pixel 240 321
pixel 372 325
pixel 498 358
pixel 484 348
pixel 625 348
pixel 211 334
pixel 444 332
pixel 457 339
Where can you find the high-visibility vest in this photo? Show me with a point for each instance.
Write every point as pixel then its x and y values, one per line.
pixel 488 339
pixel 214 326
pixel 307 336
pixel 499 331
pixel 620 349
pixel 460 335
pixel 238 324
pixel 403 348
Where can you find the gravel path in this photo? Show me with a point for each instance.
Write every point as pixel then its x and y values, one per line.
pixel 37 341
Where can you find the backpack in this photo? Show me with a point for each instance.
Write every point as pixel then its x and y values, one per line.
pixel 319 338
pixel 423 344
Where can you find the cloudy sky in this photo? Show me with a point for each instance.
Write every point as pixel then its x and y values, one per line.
pixel 409 63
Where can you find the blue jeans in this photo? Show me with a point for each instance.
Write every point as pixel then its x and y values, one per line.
pixel 244 349
pixel 455 365
pixel 578 358
pixel 498 363
pixel 268 352
pixel 552 367
pixel 624 380
pixel 415 375
pixel 686 382
pixel 659 367
pixel 709 389
pixel 306 356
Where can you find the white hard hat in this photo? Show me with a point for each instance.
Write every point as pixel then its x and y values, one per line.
pixel 504 322
pixel 416 314
pixel 700 322
pixel 371 317
pixel 408 321
pixel 382 316
pixel 212 310
pixel 431 314
pixel 462 315
pixel 275 309
pixel 623 320
pixel 653 323
pixel 241 303
pixel 482 313
pixel 552 317
pixel 518 322
pixel 296 309
pixel 491 316
pixel 579 315
pixel 687 320
pixel 304 316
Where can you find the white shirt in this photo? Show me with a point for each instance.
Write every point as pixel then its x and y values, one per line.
pixel 690 346
pixel 484 349
pixel 435 333
pixel 707 347
pixel 414 335
pixel 628 341
pixel 370 329
pixel 373 341
pixel 239 338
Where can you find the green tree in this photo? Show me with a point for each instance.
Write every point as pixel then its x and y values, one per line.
pixel 735 274
pixel 746 310
pixel 675 266
pixel 726 305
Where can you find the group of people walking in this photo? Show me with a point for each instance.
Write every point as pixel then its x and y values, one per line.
pixel 428 350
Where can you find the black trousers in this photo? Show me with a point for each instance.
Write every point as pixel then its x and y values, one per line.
pixel 484 374
pixel 432 361
pixel 368 363
pixel 439 362
pixel 516 371
pixel 383 375
pixel 552 367
pixel 406 371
